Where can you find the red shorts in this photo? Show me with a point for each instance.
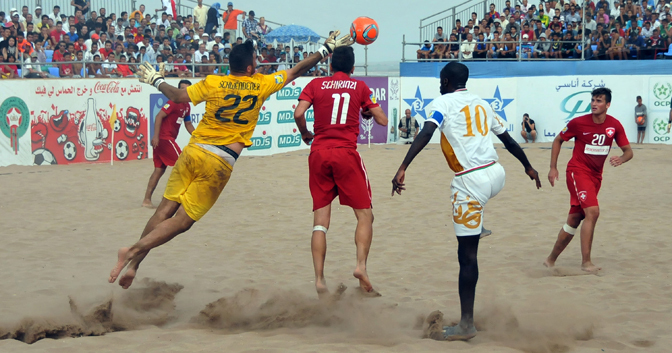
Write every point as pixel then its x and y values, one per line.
pixel 166 154
pixel 583 189
pixel 338 172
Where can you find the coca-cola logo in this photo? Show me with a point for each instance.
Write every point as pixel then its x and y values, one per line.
pixel 108 87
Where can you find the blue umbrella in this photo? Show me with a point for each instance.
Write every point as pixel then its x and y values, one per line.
pixel 285 34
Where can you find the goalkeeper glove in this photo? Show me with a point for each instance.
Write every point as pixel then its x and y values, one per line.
pixel 150 76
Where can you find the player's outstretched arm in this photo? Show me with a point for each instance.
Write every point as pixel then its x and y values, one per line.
pixel 418 144
pixel 555 152
pixel 514 148
pixel 157 79
pixel 329 45
pixel 300 119
pixel 618 160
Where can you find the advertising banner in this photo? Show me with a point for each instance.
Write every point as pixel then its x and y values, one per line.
pixel 393 107
pixel 659 104
pixel 47 122
pixel 368 128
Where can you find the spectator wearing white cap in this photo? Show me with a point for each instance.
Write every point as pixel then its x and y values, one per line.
pixel 38 12
pixel 218 41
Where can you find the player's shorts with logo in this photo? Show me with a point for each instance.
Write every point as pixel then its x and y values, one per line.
pixel 583 189
pixel 470 191
pixel 338 172
pixel 197 180
pixel 166 153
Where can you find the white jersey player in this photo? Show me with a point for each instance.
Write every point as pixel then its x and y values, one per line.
pixel 465 121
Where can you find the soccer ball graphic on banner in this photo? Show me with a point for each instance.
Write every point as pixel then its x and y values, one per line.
pixel 364 30
pixel 69 151
pixel 121 150
pixel 43 156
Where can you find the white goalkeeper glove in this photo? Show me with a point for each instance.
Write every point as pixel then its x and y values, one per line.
pixel 150 76
pixel 332 43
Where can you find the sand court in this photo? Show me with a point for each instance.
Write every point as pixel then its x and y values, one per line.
pixel 241 279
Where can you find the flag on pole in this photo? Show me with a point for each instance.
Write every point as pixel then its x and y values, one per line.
pixel 170 7
pixel 113 119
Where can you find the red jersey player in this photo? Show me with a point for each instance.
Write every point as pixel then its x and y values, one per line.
pixel 593 135
pixel 166 128
pixel 335 166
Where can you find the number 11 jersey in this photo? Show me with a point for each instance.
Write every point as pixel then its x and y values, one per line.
pixel 465 121
pixel 336 102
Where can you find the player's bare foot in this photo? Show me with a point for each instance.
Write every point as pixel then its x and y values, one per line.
pixel 459 333
pixel 549 263
pixel 321 287
pixel 590 267
pixel 127 279
pixel 122 261
pixel 363 278
pixel 147 204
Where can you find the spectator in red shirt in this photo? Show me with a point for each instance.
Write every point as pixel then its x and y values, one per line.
pixel 61 55
pixel 122 67
pixel 58 33
pixel 105 52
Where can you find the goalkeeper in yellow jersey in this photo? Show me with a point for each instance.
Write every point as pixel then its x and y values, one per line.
pixel 232 106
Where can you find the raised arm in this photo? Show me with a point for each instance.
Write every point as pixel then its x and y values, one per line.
pixel 514 148
pixel 156 78
pixel 378 115
pixel 329 45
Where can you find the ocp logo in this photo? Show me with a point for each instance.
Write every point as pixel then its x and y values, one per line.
pixel 574 104
pixel 662 90
pixel 288 93
pixel 310 115
pixel 264 118
pixel 289 140
pixel 261 143
pixel 285 117
pixel 660 127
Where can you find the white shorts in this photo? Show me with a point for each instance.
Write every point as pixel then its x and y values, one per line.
pixel 469 194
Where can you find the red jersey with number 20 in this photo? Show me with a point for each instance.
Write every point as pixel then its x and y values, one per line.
pixel 337 101
pixel 176 114
pixel 592 142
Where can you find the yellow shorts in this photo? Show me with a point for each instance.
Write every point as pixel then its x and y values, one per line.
pixel 197 180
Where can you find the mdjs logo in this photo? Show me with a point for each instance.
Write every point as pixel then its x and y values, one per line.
pixel 264 118
pixel 292 140
pixel 576 104
pixel 288 93
pixel 285 117
pixel 261 143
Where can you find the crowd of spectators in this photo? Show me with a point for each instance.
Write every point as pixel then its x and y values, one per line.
pixel 98 44
pixel 613 29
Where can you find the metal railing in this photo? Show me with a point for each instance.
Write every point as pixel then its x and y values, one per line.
pixel 193 68
pixel 585 53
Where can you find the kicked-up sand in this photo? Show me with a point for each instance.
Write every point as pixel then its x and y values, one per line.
pixel 241 280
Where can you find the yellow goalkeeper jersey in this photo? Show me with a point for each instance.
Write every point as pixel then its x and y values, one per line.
pixel 232 106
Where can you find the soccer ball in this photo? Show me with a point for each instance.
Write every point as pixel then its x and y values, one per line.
pixel 69 151
pixel 364 30
pixel 117 125
pixel 43 156
pixel 121 150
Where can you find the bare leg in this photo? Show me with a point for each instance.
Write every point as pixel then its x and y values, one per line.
pixel 534 136
pixel 573 220
pixel 318 245
pixel 165 210
pixel 467 255
pixel 587 231
pixel 162 233
pixel 153 181
pixel 363 237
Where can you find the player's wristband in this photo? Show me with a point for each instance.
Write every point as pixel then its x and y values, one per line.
pixel 158 82
pixel 324 51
